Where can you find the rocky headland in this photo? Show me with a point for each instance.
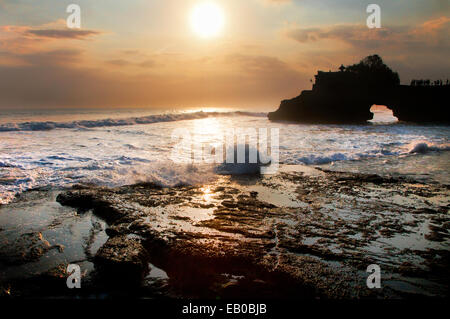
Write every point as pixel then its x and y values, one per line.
pixel 345 97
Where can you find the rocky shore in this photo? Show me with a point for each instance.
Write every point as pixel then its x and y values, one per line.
pixel 303 233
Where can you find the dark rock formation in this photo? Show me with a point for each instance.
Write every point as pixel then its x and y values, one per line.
pixel 27 248
pixel 122 258
pixel 221 240
pixel 347 96
pixel 423 104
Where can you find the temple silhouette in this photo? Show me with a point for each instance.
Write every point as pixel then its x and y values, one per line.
pixel 346 96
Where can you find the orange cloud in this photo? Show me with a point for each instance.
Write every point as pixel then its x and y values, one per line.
pixel 62 34
pixel 414 51
pixel 66 80
pixel 433 26
pixel 22 39
pixel 360 36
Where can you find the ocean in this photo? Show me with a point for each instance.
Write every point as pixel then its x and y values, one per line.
pixel 57 149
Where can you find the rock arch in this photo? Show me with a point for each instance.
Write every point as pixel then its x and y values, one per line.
pixel 382 114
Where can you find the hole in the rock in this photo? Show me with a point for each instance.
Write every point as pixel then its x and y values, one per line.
pixel 381 114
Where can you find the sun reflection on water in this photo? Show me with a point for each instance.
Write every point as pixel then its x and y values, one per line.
pixel 207 193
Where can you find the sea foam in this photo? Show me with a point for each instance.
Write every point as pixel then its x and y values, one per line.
pixel 46 126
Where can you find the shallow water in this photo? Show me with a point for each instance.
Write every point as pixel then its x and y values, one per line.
pixel 37 221
pixel 329 226
pixel 115 148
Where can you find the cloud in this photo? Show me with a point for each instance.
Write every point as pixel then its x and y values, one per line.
pixel 68 81
pixel 434 26
pixel 22 39
pixel 414 51
pixel 12 39
pixel 125 63
pixel 61 33
pixel 118 62
pixel 266 74
pixel 130 52
pixel 148 64
pixel 257 63
pixel 352 34
pixel 53 57
pixel 431 33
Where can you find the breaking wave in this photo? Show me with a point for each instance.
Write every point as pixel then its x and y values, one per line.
pixel 164 174
pixel 424 148
pixel 114 157
pixel 415 148
pixel 47 126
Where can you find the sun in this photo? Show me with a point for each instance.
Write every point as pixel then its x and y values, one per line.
pixel 207 19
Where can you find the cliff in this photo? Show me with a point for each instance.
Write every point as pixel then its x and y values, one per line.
pixel 347 96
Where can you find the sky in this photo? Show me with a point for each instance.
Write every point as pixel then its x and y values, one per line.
pixel 145 53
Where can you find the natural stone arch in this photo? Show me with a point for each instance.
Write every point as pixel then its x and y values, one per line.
pixel 382 114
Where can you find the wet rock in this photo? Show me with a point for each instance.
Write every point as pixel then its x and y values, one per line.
pixel 90 199
pixel 435 236
pixel 196 234
pixel 122 260
pixel 27 248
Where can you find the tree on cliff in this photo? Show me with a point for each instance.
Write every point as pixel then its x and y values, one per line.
pixel 372 69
